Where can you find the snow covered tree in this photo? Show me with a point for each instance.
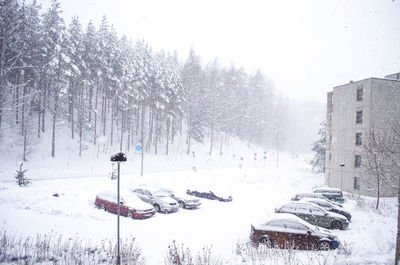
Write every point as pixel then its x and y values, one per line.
pixel 55 61
pixel 379 157
pixel 77 76
pixel 237 94
pixel 319 149
pixel 9 54
pixel 193 85
pixel 90 58
pixel 395 171
pixel 216 102
pixel 20 176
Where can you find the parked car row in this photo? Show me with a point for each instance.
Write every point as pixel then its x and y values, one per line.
pixel 301 223
pixel 141 203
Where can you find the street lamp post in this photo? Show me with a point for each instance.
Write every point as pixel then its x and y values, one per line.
pixel 118 157
pixel 341 176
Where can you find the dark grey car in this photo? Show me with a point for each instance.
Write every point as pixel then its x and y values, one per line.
pixel 328 206
pixel 315 215
pixel 332 194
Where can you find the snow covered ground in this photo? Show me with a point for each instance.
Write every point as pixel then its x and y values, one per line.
pixel 257 188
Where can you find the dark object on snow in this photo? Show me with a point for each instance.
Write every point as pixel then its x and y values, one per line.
pixel 118 157
pixel 208 195
pixel 56 195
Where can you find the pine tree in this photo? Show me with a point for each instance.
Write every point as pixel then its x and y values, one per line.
pixel 319 149
pixel 9 33
pixel 55 61
pixel 193 85
pixel 20 176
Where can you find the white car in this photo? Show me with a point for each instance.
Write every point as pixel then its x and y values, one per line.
pixel 160 201
pixel 184 202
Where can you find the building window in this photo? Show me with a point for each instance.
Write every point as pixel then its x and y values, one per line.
pixel 360 93
pixel 356 183
pixel 357 161
pixel 330 156
pixel 359 115
pixel 358 138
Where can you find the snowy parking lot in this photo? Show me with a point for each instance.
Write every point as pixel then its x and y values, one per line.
pixel 65 206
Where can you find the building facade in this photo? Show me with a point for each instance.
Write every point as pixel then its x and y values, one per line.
pixel 353 110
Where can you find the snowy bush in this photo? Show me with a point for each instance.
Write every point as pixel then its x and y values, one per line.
pixel 262 255
pixel 180 255
pixel 54 249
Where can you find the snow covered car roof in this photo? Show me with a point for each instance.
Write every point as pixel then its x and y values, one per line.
pixel 322 201
pixel 327 189
pixel 128 198
pixel 287 217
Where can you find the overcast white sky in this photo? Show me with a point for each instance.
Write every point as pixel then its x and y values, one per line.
pixel 306 47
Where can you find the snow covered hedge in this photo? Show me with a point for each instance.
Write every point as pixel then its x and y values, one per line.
pixel 54 249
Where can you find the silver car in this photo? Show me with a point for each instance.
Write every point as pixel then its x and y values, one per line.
pixel 160 201
pixel 184 201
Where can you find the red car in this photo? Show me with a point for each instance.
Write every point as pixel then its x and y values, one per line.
pixel 289 231
pixel 130 205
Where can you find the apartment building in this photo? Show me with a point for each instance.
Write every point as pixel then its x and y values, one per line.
pixel 353 109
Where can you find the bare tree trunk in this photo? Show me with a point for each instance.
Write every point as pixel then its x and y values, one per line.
pixel 122 131
pixel 150 137
pixel 173 129
pixel 211 137
pixel 137 121
pixel 112 125
pixel 71 107
pixel 378 179
pixel 95 113
pixel 188 138
pixel 104 113
pixel 90 102
pixel 222 140
pixel 45 84
pixel 2 80
pixel 25 142
pixel 142 140
pixel 56 98
pixel 168 126
pixel 23 101
pixel 129 120
pixel 396 132
pixel 17 104
pixel 40 98
pixel 80 120
pixel 156 133
pixel 53 138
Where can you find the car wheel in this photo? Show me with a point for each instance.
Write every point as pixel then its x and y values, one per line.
pixel 324 245
pixel 267 241
pixel 129 214
pixel 157 207
pixel 182 205
pixel 336 225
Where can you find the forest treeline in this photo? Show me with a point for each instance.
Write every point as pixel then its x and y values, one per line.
pixel 119 91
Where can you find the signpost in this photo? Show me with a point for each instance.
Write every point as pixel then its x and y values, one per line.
pixel 138 149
